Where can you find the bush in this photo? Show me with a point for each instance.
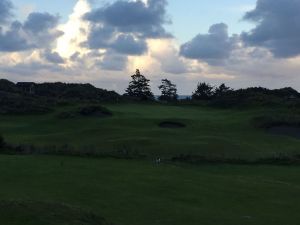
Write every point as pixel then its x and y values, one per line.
pixel 2 142
pixel 94 110
pixel 269 121
pixel 66 115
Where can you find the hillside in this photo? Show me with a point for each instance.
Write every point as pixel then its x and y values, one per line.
pixel 29 97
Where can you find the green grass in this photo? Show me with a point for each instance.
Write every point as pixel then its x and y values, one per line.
pixel 43 213
pixel 53 190
pixel 140 193
pixel 209 132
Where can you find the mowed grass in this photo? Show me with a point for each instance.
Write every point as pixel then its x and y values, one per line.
pixel 134 127
pixel 140 193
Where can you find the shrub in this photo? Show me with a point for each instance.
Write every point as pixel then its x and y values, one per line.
pixel 66 115
pixel 2 142
pixel 95 110
pixel 269 121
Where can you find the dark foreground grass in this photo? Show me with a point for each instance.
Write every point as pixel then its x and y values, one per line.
pixel 135 128
pixel 140 193
pixel 45 213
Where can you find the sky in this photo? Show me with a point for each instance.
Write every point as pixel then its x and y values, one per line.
pixel 240 43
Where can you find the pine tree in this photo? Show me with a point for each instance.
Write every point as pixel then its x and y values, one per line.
pixel 168 91
pixel 204 91
pixel 139 87
pixel 221 91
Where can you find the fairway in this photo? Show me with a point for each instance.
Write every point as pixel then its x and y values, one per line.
pixel 149 112
pixel 138 192
pixel 210 132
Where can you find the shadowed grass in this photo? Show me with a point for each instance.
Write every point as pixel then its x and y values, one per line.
pixel 139 192
pixel 209 132
pixel 41 213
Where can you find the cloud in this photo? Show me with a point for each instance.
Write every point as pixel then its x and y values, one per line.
pixel 167 55
pixel 123 28
pixel 37 32
pixel 75 31
pixel 278 27
pixel 31 70
pixel 6 7
pixel 114 62
pixel 14 39
pixel 128 45
pixel 40 22
pixel 144 19
pixel 99 37
pixel 53 57
pixel 212 47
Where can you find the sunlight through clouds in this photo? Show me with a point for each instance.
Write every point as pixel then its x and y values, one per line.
pixel 75 31
pixel 104 43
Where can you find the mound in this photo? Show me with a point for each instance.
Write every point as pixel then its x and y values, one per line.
pixel 66 115
pixel 171 124
pixel 41 213
pixel 95 110
pixel 14 103
pixel 87 111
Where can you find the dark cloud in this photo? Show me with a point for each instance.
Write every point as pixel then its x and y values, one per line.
pixel 146 20
pixel 6 7
pixel 126 44
pixel 31 69
pixel 38 32
pixel 99 37
pixel 211 47
pixel 278 27
pixel 40 22
pixel 122 28
pixel 14 39
pixel 104 37
pixel 113 61
pixel 53 57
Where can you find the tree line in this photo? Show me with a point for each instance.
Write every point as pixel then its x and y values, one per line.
pixel 29 97
pixel 139 89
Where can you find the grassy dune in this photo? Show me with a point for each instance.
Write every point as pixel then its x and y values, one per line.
pixel 209 132
pixel 138 192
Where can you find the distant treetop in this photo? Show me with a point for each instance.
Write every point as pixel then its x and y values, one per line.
pixel 139 87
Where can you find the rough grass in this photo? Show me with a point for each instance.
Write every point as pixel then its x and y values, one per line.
pixel 141 193
pixel 88 111
pixel 209 132
pixel 42 213
pixel 276 120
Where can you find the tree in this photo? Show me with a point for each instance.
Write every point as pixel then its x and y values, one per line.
pixel 139 87
pixel 168 91
pixel 221 90
pixel 204 91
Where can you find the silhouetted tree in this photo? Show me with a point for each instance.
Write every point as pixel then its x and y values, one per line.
pixel 204 91
pixel 168 91
pixel 139 87
pixel 221 90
